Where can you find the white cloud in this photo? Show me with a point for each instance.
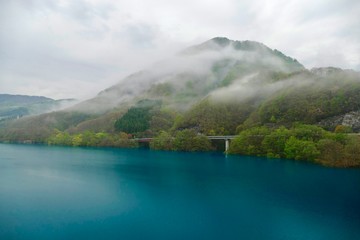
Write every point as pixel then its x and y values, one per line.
pixel 63 48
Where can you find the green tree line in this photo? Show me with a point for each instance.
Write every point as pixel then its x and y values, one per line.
pixel 185 140
pixel 88 138
pixel 301 142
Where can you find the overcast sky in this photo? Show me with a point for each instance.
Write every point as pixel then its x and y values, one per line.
pixel 76 48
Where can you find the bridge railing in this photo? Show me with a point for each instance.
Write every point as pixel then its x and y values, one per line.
pixel 226 137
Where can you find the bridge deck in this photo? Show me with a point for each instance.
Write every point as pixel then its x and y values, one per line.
pixel 225 138
pixel 228 137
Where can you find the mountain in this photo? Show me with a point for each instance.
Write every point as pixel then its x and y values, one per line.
pixel 17 106
pixel 218 87
pixel 192 74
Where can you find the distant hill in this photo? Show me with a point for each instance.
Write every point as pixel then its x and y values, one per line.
pixel 221 86
pixel 17 106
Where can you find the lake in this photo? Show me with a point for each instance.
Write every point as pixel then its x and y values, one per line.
pixel 104 193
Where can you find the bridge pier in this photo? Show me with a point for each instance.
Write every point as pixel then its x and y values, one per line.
pixel 227 144
pixel 226 138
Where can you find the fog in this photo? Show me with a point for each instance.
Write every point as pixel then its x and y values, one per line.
pixel 196 73
pixel 75 49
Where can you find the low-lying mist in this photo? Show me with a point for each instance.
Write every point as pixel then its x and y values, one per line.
pixel 218 67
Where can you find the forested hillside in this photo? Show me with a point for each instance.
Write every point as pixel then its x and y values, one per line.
pixel 220 87
pixel 17 106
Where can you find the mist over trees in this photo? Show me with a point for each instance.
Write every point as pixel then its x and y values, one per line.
pixel 220 87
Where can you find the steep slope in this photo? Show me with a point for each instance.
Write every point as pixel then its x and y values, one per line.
pixel 313 96
pixel 191 75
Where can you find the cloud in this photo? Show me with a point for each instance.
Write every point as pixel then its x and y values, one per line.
pixel 76 48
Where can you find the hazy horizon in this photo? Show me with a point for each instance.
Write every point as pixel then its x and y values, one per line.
pixel 75 49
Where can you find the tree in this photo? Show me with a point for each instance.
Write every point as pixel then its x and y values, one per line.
pixel 189 140
pixel 300 149
pixel 60 138
pixel 331 151
pixel 216 118
pixel 274 143
pixel 249 142
pixel 164 141
pixel 352 152
pixel 89 139
pixel 137 119
pixel 123 140
pixel 162 121
pixel 77 140
pixel 308 132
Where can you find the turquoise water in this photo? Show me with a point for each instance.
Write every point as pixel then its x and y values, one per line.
pixel 87 193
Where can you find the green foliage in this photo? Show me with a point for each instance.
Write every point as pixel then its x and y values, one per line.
pixel 249 142
pixel 189 140
pixel 296 97
pixel 185 140
pixel 310 103
pixel 331 151
pixel 300 149
pixel 301 142
pixel 77 140
pixel 60 138
pixel 340 154
pixel 274 143
pixel 178 122
pixel 352 151
pixel 164 141
pixel 273 119
pixel 88 138
pixel 309 132
pixel 37 129
pixel 137 119
pixel 214 118
pixel 62 120
pixel 162 120
pixel 103 123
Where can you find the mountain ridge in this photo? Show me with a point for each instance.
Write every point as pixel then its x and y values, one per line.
pixel 225 58
pixel 247 82
pixel 17 105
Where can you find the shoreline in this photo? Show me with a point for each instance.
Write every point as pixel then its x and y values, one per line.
pixel 336 165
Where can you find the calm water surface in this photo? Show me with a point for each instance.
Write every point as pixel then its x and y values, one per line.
pixel 87 193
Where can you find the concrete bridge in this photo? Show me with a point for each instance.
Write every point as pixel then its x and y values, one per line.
pixel 226 138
